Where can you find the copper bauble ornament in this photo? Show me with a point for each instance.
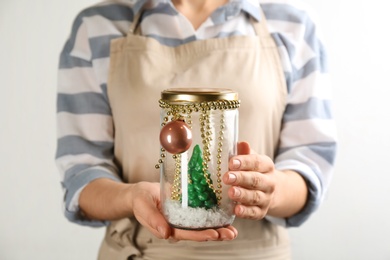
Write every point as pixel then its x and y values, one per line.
pixel 176 137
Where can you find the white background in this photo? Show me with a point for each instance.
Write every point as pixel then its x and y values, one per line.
pixel 353 223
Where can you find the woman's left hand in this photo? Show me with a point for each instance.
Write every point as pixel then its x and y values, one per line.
pixel 253 181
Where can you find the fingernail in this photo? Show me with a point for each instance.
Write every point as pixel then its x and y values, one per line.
pixel 237 192
pixel 236 164
pixel 162 232
pixel 173 241
pixel 211 239
pixel 232 177
pixel 240 210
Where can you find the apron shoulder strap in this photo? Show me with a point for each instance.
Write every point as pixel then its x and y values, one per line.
pixel 262 31
pixel 135 27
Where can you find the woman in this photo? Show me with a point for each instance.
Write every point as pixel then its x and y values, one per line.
pixel 122 54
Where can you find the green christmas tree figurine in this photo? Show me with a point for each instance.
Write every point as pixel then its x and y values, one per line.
pixel 200 195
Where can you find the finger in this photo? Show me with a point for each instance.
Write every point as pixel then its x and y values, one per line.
pixel 195 235
pixel 250 180
pixel 249 197
pixel 220 234
pixel 227 233
pixel 235 231
pixel 251 162
pixel 250 212
pixel 150 217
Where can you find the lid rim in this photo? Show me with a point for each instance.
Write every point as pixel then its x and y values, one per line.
pixel 198 94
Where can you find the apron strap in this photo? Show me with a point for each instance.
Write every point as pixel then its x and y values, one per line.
pixel 262 31
pixel 135 27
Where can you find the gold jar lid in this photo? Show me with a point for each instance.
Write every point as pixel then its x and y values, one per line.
pixel 198 94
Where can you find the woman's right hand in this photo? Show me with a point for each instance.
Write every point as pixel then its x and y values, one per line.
pixel 146 205
pixel 105 199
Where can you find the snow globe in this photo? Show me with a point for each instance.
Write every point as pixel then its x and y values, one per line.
pixel 199 129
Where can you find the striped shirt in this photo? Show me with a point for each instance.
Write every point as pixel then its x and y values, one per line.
pixel 85 123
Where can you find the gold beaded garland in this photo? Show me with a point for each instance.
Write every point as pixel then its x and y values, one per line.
pixel 177 178
pixel 183 112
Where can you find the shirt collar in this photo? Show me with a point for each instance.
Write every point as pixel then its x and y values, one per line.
pixel 234 7
pixel 221 15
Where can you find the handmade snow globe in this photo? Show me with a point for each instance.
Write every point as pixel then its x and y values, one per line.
pixel 199 129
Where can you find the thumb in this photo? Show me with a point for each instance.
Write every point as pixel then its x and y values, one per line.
pixel 151 217
pixel 243 148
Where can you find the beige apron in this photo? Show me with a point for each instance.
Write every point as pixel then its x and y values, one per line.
pixel 140 69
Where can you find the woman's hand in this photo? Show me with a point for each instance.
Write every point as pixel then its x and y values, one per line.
pixel 259 189
pixel 146 206
pixel 105 199
pixel 253 181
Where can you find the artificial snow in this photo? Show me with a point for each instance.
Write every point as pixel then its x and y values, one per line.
pixel 195 218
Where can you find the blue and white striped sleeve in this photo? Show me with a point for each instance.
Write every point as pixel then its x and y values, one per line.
pixel 84 122
pixel 308 135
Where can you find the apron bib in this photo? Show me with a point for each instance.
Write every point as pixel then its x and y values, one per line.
pixel 140 68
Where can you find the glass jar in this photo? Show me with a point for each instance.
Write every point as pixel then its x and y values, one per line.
pixel 199 130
